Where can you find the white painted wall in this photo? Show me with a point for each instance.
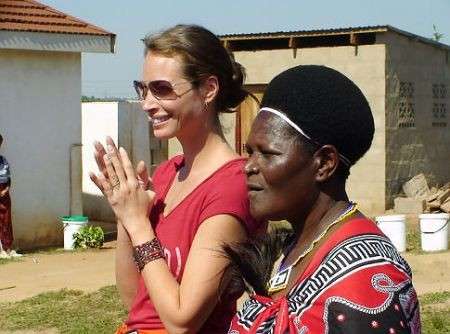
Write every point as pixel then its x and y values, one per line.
pixel 40 121
pixel 98 120
pixel 127 125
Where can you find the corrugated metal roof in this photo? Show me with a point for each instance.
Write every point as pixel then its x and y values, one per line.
pixel 299 33
pixel 32 16
pixel 329 32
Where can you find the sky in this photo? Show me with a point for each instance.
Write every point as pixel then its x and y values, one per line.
pixel 106 75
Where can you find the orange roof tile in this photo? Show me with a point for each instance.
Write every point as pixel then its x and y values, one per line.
pixel 32 16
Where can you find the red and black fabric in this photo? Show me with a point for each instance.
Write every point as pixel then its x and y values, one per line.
pixel 6 231
pixel 357 282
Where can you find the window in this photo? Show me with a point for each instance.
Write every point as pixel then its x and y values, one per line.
pixel 406 89
pixel 406 110
pixel 439 108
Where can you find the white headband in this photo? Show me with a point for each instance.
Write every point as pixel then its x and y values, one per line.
pixel 345 160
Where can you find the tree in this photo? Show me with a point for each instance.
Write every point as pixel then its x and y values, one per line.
pixel 437 36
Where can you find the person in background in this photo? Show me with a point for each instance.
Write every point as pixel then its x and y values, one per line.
pixel 335 272
pixel 6 230
pixel 168 263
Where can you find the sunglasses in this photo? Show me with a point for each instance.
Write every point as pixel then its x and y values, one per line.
pixel 160 89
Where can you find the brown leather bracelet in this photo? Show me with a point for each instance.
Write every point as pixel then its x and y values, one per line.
pixel 147 252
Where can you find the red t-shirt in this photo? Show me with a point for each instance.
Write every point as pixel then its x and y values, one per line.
pixel 223 192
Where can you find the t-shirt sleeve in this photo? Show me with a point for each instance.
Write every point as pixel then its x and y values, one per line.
pixel 228 195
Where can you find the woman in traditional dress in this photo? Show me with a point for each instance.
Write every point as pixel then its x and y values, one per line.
pixel 337 272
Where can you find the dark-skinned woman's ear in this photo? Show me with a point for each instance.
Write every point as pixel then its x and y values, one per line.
pixel 328 161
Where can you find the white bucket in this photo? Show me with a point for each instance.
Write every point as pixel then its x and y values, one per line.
pixel 72 225
pixel 434 231
pixel 393 226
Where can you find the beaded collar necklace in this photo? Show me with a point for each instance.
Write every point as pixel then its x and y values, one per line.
pixel 280 280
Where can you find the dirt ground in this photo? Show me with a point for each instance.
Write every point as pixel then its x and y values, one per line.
pixel 90 270
pixel 36 273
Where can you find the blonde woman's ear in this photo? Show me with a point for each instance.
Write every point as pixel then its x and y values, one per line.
pixel 211 88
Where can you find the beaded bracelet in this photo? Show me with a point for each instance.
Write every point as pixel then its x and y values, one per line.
pixel 147 252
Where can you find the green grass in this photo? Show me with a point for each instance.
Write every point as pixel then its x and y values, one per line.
pixel 435 312
pixel 69 311
pixel 15 259
pixel 75 312
pixel 59 250
pixel 413 241
pixel 434 298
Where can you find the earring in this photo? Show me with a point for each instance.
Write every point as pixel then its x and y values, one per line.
pixel 205 108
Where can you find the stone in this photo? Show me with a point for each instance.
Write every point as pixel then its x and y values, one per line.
pixel 406 205
pixel 417 187
pixel 445 207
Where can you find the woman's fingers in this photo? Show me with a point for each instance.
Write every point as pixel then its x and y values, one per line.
pixel 99 153
pixel 96 181
pixel 128 168
pixel 142 176
pixel 107 187
pixel 116 164
pixel 114 181
pixel 110 141
pixel 117 168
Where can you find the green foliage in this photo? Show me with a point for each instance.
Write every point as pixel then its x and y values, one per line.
pixel 89 237
pixel 437 36
pixel 85 98
pixel 69 311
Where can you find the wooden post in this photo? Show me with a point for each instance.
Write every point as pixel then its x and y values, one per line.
pixel 354 40
pixel 293 44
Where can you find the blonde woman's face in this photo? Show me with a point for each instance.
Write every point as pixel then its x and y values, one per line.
pixel 178 115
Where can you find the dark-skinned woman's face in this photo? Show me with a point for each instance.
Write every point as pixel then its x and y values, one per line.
pixel 280 171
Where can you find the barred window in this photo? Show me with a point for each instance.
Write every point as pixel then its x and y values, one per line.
pixel 443 91
pixel 406 114
pixel 439 107
pixel 406 89
pixel 436 90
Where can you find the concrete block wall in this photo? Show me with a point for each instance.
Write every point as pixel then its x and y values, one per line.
pixel 365 65
pixel 423 148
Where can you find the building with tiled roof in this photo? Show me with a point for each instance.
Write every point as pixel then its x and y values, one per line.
pixel 28 24
pixel 40 116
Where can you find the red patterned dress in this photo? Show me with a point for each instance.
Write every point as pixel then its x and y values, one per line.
pixel 356 282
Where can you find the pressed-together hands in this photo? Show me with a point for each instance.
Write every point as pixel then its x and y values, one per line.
pixel 126 190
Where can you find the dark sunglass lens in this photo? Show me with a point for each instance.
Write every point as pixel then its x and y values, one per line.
pixel 162 89
pixel 140 89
